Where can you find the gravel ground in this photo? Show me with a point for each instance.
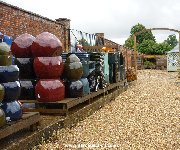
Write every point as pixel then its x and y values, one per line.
pixel 146 116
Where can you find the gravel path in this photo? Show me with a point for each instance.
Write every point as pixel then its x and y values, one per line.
pixel 146 116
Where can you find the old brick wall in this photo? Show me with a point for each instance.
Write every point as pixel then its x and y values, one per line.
pixel 15 21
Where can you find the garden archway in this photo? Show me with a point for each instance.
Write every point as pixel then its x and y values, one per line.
pixel 137 33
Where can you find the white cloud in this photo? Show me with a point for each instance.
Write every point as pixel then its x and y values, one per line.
pixel 113 17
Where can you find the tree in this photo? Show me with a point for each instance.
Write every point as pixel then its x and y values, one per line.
pixel 146 35
pixel 146 42
pixel 171 40
pixel 129 43
pixel 147 47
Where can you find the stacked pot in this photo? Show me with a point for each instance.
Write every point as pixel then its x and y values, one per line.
pixel 48 67
pixel 114 71
pixel 21 49
pixel 98 76
pixel 9 86
pixel 40 66
pixel 73 72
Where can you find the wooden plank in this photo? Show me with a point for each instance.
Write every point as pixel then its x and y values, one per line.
pixel 27 120
pixel 77 101
pixel 66 104
pixel 46 110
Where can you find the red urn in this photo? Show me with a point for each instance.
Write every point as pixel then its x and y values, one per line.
pixel 46 45
pixel 49 90
pixel 48 67
pixel 21 46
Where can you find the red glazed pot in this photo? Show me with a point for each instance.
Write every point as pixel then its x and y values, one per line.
pixel 50 90
pixel 48 67
pixel 21 47
pixel 46 45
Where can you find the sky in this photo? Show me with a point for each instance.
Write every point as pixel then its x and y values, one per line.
pixel 114 18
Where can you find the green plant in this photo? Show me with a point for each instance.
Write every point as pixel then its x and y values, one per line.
pixel 148 63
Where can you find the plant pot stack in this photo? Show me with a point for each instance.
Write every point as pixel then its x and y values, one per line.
pixel 21 49
pixel 114 73
pixel 9 87
pixel 122 72
pixel 97 78
pixel 73 72
pixel 48 67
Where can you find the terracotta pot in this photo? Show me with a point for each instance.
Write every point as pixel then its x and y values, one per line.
pixel 49 90
pixel 48 67
pixel 21 46
pixel 46 45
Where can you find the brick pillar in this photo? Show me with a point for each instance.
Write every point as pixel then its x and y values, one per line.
pixel 100 38
pixel 66 23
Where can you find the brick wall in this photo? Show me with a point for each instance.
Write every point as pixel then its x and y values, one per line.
pixel 15 21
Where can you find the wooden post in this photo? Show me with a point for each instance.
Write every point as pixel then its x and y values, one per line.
pixel 126 60
pixel 135 53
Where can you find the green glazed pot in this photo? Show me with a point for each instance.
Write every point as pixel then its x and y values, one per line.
pixel 2 118
pixel 4 48
pixel 73 68
pixel 2 92
pixel 5 60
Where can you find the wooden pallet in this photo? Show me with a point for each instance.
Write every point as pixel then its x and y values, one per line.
pixel 29 120
pixel 62 107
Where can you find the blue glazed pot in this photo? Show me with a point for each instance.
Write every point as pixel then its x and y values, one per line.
pixel 13 110
pixel 9 73
pixel 12 91
pixel 85 82
pixel 74 89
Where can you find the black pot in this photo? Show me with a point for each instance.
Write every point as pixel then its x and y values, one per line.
pixel 74 89
pixel 12 91
pixel 9 73
pixel 26 68
pixel 27 90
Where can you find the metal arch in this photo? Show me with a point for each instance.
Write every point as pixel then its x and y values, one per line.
pixel 137 33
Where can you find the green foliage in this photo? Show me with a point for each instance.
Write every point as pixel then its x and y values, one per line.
pixel 83 42
pixel 146 42
pixel 129 43
pixel 146 47
pixel 171 41
pixel 146 35
pixel 149 63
